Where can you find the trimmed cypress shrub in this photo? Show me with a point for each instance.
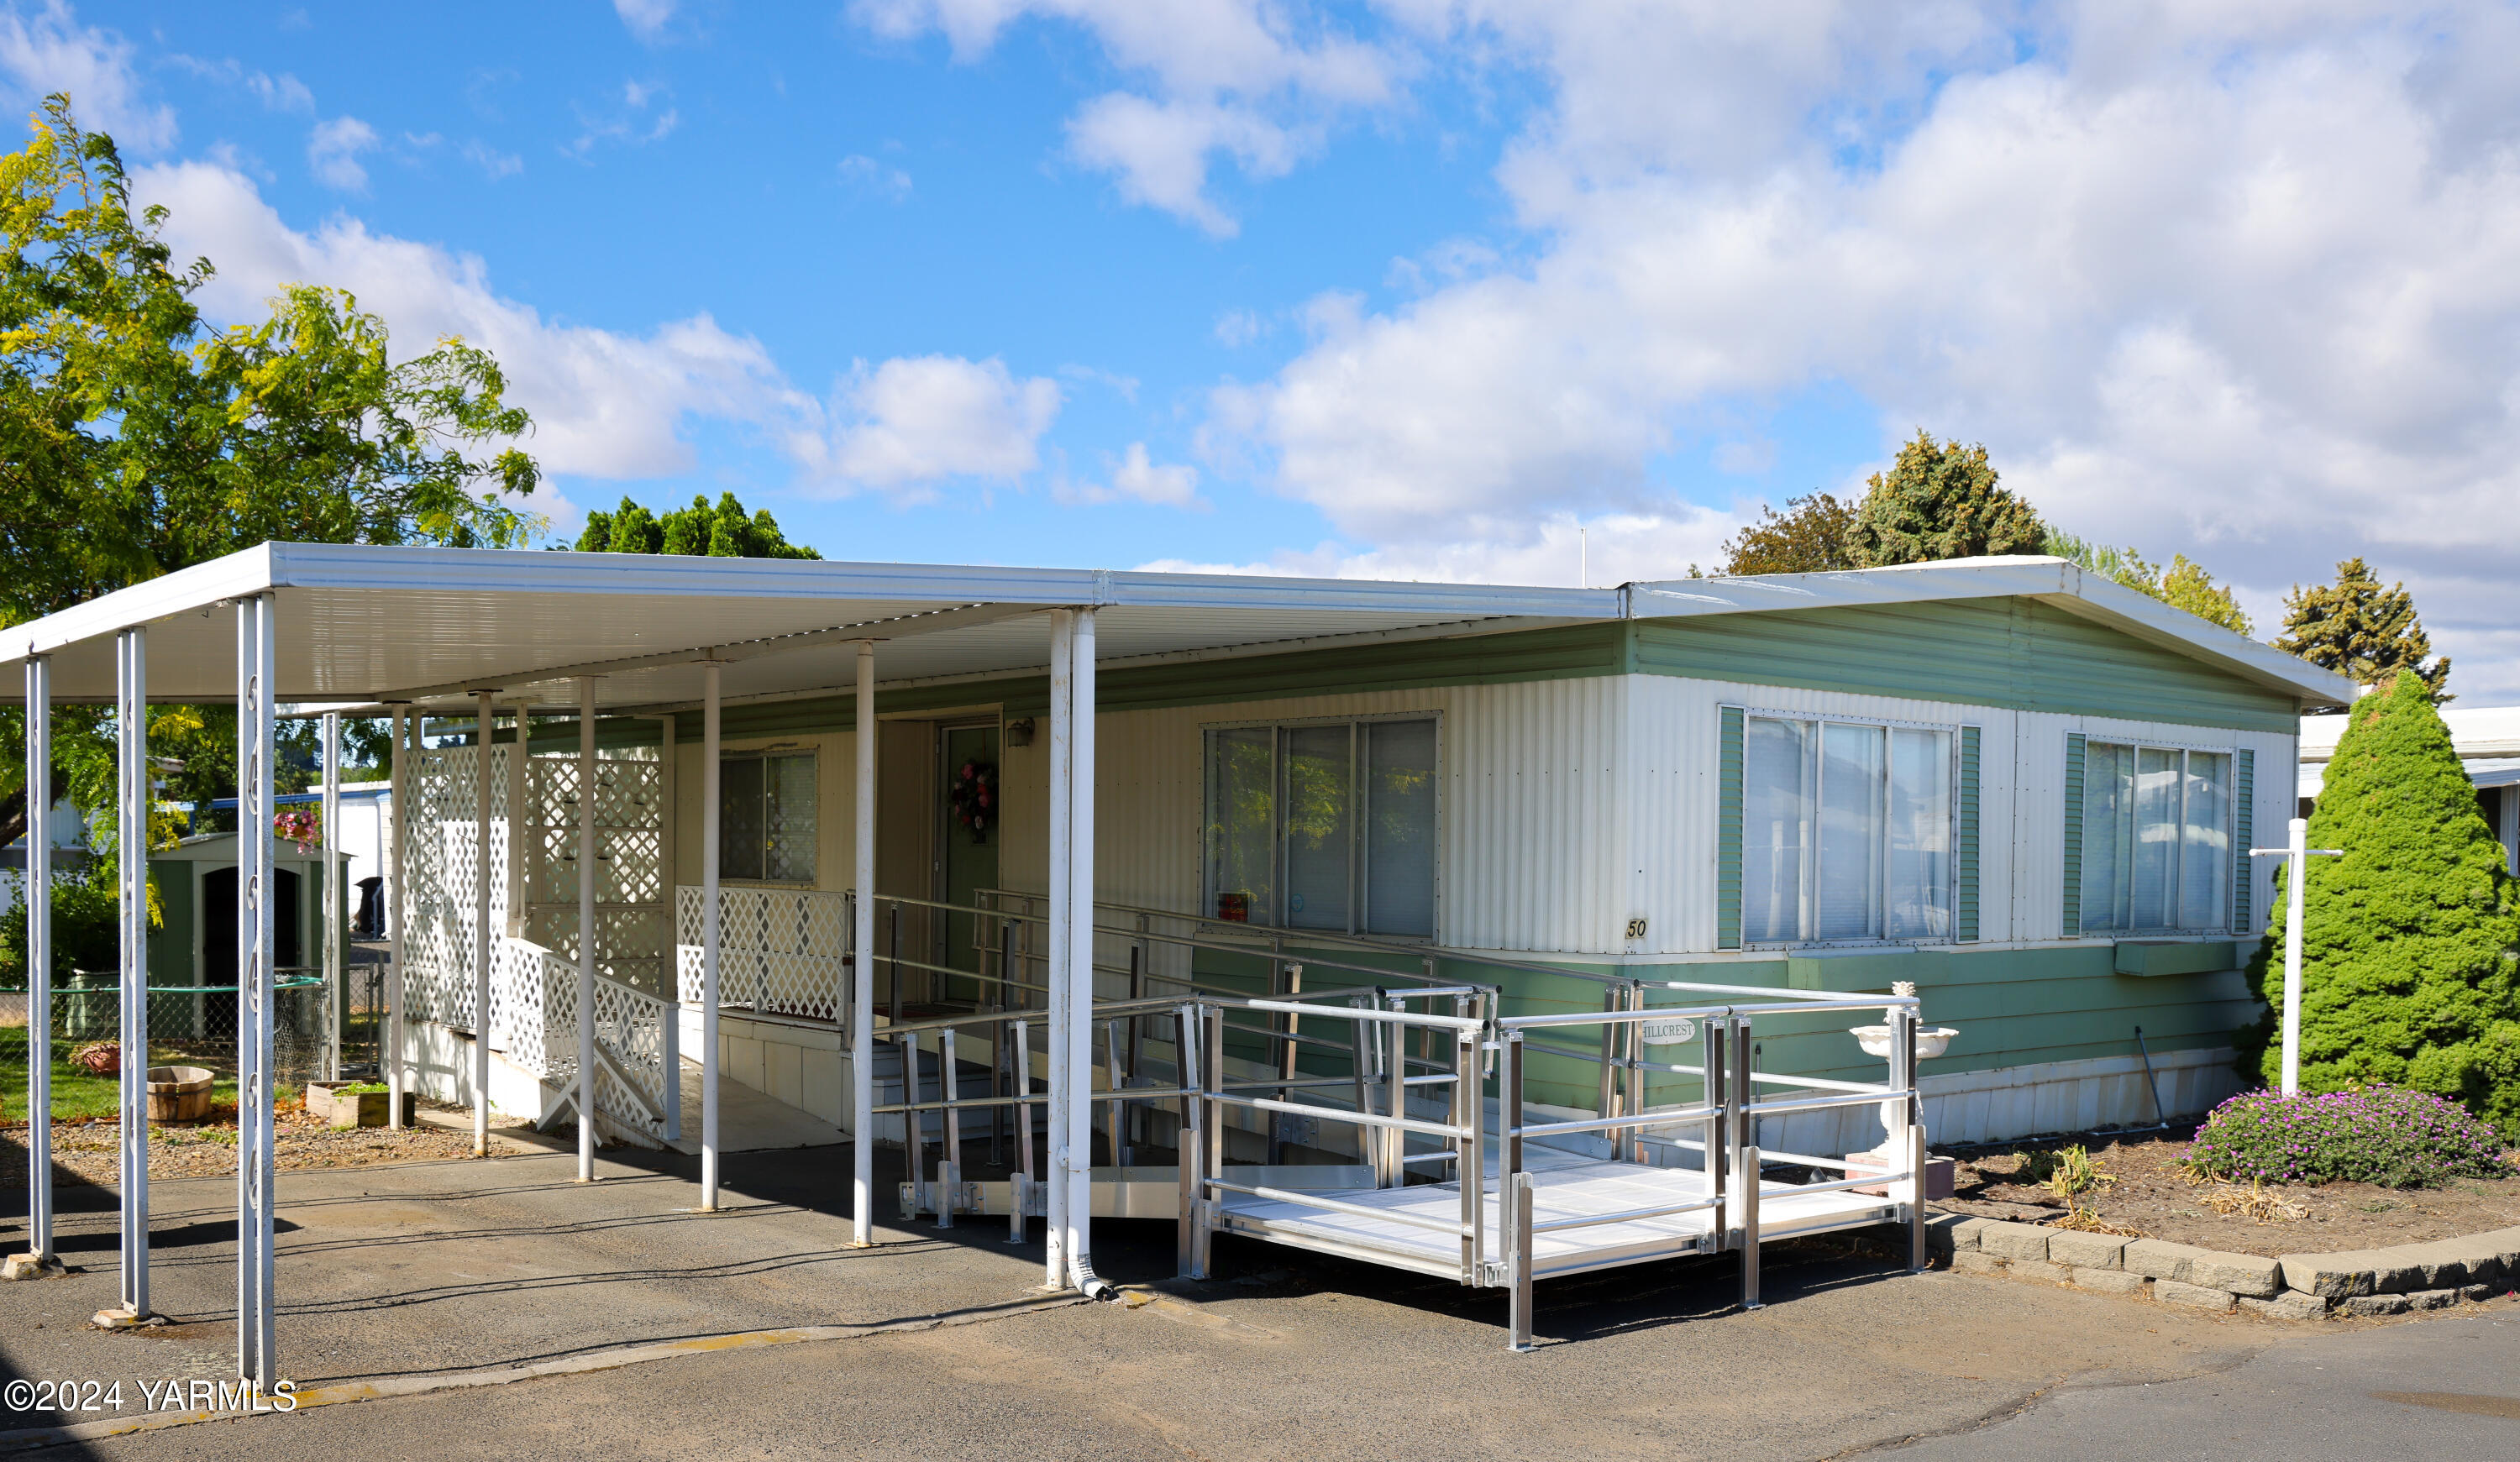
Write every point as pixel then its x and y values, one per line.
pixel 2408 939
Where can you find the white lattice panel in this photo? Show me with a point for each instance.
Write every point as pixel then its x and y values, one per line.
pixel 780 951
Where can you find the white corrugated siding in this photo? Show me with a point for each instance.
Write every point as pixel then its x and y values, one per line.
pixel 1533 816
pixel 1676 722
pixel 1548 845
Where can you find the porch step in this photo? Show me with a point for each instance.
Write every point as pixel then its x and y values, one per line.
pixel 749 1119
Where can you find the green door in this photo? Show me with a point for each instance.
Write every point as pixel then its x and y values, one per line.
pixel 967 849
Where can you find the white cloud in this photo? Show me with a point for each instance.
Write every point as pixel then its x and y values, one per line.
pixel 645 18
pixel 1254 80
pixel 1138 478
pixel 2233 281
pixel 281 93
pixel 864 173
pixel 47 50
pixel 605 403
pixel 912 423
pixel 639 121
pixel 494 164
pixel 1236 328
pixel 332 152
pixel 1607 550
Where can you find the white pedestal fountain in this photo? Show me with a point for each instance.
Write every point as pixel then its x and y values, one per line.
pixel 1931 1041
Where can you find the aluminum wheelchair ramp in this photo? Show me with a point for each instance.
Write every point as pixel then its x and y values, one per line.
pixel 1415 1229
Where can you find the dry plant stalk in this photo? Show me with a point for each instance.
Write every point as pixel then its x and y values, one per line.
pixel 2254 1202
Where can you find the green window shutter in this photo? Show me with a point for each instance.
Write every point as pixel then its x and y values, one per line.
pixel 1728 834
pixel 2073 922
pixel 2244 790
pixel 1964 897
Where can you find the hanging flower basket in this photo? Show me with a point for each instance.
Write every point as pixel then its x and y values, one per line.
pixel 299 826
pixel 973 796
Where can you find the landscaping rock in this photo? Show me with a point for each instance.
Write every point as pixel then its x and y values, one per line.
pixel 2110 1281
pixel 2190 1296
pixel 2330 1276
pixel 2085 1251
pixel 1971 1262
pixel 2364 1306
pixel 2041 1270
pixel 2013 1241
pixel 2159 1258
pixel 2292 1305
pixel 2442 1264
pixel 2245 1275
pixel 2476 1293
pixel 2432 1299
pixel 1953 1233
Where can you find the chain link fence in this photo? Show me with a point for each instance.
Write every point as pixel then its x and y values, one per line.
pixel 189 1025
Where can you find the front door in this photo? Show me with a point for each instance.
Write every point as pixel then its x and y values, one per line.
pixel 967 844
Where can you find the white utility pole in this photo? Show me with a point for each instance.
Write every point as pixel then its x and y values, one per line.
pixel 2296 858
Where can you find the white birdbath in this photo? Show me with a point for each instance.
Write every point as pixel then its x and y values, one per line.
pixel 1875 1040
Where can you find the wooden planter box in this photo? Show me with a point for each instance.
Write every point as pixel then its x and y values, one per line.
pixel 328 1102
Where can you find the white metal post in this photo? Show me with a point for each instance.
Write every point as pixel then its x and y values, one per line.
pixel 586 874
pixel 37 890
pixel 482 730
pixel 709 792
pixel 256 1170
pixel 668 833
pixel 1079 894
pixel 1062 624
pixel 862 966
pixel 132 718
pixel 2296 855
pixel 334 985
pixel 398 830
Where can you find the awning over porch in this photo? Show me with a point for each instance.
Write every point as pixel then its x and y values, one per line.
pixel 361 626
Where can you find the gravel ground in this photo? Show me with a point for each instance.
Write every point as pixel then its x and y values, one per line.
pixel 90 1152
pixel 2154 1197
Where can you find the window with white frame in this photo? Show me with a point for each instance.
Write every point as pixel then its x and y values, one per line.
pixel 1846 830
pixel 1325 825
pixel 2156 838
pixel 766 816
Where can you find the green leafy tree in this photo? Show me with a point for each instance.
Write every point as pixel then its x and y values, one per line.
pixel 1807 537
pixel 2182 586
pixel 2361 631
pixel 1939 500
pixel 2408 939
pixel 136 439
pixel 700 530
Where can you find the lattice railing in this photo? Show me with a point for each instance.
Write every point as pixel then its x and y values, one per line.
pixel 780 951
pixel 533 978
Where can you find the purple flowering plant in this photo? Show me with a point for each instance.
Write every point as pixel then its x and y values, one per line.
pixel 2386 1135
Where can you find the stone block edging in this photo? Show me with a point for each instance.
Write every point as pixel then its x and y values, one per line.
pixel 2291 1287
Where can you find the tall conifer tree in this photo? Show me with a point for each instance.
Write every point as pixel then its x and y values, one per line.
pixel 2408 940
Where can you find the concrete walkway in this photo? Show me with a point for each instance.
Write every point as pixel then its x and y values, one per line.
pixel 445 1271
pixel 749 1119
pixel 447 1267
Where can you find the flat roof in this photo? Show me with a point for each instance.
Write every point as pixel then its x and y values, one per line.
pixel 362 625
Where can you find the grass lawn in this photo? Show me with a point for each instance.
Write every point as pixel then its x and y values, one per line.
pixel 78 1093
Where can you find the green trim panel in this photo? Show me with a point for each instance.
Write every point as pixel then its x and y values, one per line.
pixel 2244 793
pixel 1965 900
pixel 2072 927
pixel 1728 834
pixel 2017 653
pixel 1572 653
pixel 2160 956
pixel 2011 1007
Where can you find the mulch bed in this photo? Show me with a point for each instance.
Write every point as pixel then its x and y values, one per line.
pixel 2154 1197
pixel 90 1151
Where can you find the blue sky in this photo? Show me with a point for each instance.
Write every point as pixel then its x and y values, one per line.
pixel 1416 288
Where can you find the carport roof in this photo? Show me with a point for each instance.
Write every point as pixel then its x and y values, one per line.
pixel 363 624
